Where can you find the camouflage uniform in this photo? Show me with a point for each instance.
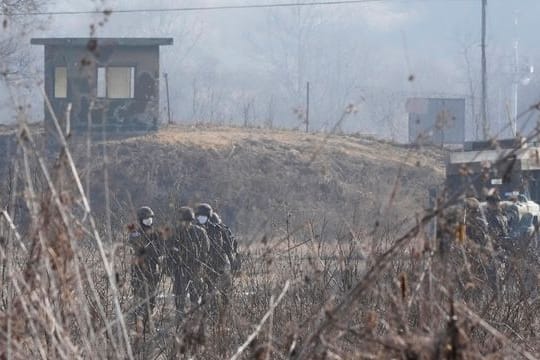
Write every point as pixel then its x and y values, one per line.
pixel 218 275
pixel 498 231
pixel 475 221
pixel 146 245
pixel 188 250
pixel 229 241
pixel 482 264
pixel 498 225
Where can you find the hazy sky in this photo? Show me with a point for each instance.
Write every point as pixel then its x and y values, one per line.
pixel 370 49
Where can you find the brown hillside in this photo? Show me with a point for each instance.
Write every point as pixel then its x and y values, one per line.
pixel 255 177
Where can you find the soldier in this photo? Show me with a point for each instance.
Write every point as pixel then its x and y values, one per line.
pixel 218 275
pixel 497 221
pixel 188 250
pixel 146 244
pixel 475 221
pixel 230 243
pixel 478 231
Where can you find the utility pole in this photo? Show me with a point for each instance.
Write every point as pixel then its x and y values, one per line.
pixel 521 76
pixel 485 124
pixel 307 106
pixel 515 79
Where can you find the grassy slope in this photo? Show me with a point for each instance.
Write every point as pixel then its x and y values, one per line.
pixel 256 177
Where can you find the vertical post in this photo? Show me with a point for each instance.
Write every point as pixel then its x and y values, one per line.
pixel 68 120
pixel 514 108
pixel 106 183
pixel 431 243
pixel 485 125
pixel 168 102
pixel 432 204
pixel 307 106
pixel 89 149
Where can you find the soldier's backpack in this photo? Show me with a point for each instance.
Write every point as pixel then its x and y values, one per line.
pixel 232 245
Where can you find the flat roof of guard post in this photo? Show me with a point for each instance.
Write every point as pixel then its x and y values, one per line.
pixel 120 41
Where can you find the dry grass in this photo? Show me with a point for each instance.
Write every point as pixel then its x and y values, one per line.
pixel 256 177
pixel 313 285
pixel 226 138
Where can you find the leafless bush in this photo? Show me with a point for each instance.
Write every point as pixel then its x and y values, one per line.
pixel 311 287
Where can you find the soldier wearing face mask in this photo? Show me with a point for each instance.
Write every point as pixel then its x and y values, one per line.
pixel 145 275
pixel 218 274
pixel 187 256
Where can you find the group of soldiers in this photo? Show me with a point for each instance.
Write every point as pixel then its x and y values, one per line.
pixel 486 222
pixel 508 224
pixel 500 231
pixel 199 254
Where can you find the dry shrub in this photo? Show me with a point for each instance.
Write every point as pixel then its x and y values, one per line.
pixel 311 287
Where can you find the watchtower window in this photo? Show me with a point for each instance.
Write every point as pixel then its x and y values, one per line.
pixel 60 82
pixel 120 82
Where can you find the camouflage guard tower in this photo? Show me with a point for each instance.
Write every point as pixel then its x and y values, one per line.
pixel 510 165
pixel 111 83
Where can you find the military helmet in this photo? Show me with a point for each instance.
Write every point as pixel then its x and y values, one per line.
pixel 144 212
pixel 215 218
pixel 185 213
pixel 493 198
pixel 203 209
pixel 472 203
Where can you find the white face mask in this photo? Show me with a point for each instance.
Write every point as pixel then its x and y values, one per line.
pixel 202 219
pixel 147 222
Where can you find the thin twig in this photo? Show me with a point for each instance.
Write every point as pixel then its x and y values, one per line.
pixel 12 226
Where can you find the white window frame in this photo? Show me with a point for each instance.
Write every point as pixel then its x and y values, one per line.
pixel 101 82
